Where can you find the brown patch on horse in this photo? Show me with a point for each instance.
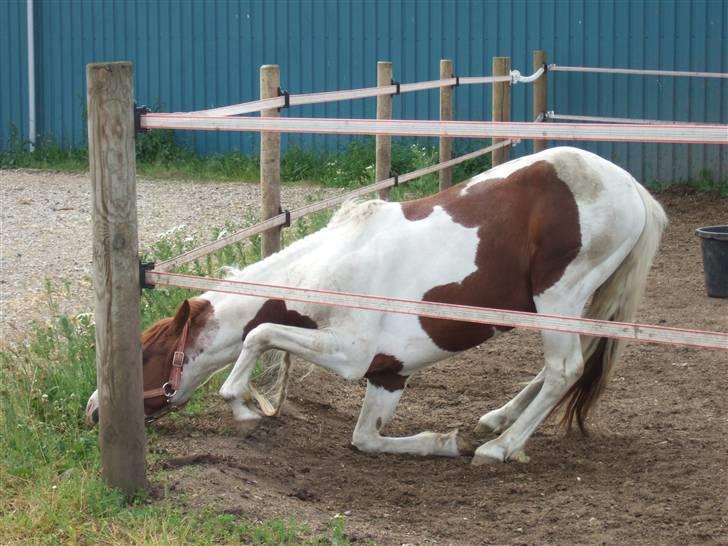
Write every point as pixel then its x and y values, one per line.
pixel 275 312
pixel 160 339
pixel 384 372
pixel 528 231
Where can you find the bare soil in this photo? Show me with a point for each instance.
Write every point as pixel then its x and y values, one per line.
pixel 653 471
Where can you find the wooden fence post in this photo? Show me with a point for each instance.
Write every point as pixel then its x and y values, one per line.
pixel 112 166
pixel 540 87
pixel 501 103
pixel 270 162
pixel 383 165
pixel 446 93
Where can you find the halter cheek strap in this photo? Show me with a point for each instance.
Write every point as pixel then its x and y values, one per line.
pixel 169 388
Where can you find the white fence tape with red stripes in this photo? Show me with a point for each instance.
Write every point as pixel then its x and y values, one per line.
pixel 684 133
pixel 629 331
pixel 363 93
pixel 637 71
pixel 604 119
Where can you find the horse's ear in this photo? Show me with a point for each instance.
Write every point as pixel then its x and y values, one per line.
pixel 182 316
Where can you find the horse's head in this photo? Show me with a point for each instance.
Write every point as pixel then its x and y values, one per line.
pixel 168 347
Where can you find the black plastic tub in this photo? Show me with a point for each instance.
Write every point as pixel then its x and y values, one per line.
pixel 715 259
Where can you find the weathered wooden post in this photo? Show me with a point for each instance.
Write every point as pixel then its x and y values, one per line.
pixel 540 87
pixel 383 164
pixel 501 103
pixel 112 166
pixel 446 110
pixel 270 162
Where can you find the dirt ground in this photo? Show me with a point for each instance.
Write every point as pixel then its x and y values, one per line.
pixel 653 471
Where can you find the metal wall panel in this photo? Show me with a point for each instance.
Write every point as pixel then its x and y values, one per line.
pixel 195 54
pixel 13 71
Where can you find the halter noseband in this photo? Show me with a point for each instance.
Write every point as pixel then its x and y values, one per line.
pixel 169 388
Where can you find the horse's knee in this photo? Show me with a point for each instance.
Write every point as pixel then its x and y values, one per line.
pixel 566 375
pixel 366 441
pixel 258 339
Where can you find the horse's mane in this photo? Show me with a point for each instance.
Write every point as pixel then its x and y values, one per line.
pixel 352 212
pixel 355 211
pixel 156 331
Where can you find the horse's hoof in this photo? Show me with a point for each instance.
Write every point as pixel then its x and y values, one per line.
pixel 247 419
pixel 465 445
pixel 481 460
pixel 491 423
pixel 488 454
pixel 519 457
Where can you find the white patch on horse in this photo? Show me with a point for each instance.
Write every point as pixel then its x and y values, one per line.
pixel 608 233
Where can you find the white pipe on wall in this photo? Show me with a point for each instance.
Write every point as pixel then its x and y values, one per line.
pixel 31 75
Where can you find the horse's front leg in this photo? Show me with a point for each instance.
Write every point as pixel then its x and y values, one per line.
pixel 379 405
pixel 332 349
pixel 236 389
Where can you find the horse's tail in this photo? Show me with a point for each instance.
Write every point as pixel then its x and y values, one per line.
pixel 616 300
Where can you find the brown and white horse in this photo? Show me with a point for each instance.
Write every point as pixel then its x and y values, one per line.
pixel 547 233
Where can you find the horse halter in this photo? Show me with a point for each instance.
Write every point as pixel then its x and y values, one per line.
pixel 169 388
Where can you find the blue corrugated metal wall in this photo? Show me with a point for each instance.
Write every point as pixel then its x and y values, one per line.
pixel 13 70
pixel 194 54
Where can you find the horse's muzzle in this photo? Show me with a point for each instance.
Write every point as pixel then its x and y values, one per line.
pixel 92 409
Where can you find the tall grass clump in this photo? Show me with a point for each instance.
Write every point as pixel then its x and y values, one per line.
pixel 43 385
pixel 47 154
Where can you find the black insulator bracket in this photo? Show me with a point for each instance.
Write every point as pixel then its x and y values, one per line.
pixel 287 222
pixel 139 111
pixel 286 98
pixel 143 268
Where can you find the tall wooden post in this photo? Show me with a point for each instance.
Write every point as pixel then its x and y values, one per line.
pixel 383 165
pixel 270 162
pixel 112 166
pixel 540 87
pixel 501 103
pixel 446 93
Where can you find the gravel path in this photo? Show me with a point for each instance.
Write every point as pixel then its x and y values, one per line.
pixel 45 232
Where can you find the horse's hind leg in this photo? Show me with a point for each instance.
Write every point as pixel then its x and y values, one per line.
pixel 500 419
pixel 377 409
pixel 564 365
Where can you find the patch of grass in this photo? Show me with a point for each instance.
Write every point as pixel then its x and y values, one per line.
pixel 705 182
pixel 78 508
pixel 160 156
pixel 48 154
